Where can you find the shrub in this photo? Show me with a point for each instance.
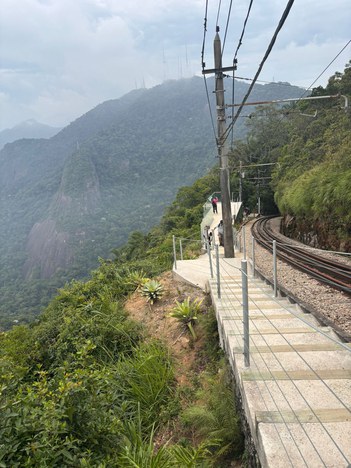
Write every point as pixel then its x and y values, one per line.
pixel 137 279
pixel 186 312
pixel 152 290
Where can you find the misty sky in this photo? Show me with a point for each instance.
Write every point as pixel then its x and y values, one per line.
pixel 60 58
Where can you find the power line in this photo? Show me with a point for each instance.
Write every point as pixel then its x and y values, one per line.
pixel 204 38
pixel 226 28
pixel 269 49
pixel 203 66
pixel 243 31
pixel 234 66
pixel 218 11
pixel 209 106
pixel 326 68
pixel 275 83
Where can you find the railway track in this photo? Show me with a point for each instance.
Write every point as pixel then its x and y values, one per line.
pixel 330 272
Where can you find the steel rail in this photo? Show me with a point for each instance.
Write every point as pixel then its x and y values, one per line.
pixel 331 272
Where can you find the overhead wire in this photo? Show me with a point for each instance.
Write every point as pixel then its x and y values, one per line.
pixel 234 65
pixel 218 11
pixel 243 30
pixel 275 83
pixel 266 55
pixel 203 66
pixel 311 85
pixel 227 25
pixel 326 68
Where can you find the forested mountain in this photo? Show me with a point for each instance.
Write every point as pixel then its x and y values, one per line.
pixel 27 129
pixel 67 200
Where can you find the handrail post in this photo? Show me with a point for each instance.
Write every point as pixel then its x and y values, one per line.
pixel 208 247
pixel 275 267
pixel 244 242
pixel 174 253
pixel 181 249
pixel 245 297
pixel 253 255
pixel 218 273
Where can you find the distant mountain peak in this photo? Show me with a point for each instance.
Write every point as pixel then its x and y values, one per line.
pixel 29 123
pixel 29 128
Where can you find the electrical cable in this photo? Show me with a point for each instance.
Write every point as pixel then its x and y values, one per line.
pixel 243 30
pixel 326 68
pixel 203 66
pixel 234 66
pixel 218 12
pixel 226 28
pixel 233 94
pixel 204 38
pixel 268 51
pixel 210 109
pixel 279 83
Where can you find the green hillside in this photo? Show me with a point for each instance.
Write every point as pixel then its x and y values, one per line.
pixel 87 385
pixel 297 159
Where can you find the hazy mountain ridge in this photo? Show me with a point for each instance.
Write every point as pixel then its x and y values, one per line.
pixel 27 130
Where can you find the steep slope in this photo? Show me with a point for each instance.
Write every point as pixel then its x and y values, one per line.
pixel 121 179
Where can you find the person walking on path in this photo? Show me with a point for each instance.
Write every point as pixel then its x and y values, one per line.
pixel 214 202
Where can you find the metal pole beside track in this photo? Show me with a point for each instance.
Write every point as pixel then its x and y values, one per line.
pixel 244 242
pixel 275 267
pixel 245 298
pixel 174 253
pixel 218 273
pixel 208 247
pixel 253 255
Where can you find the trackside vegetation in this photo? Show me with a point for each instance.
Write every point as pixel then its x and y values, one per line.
pixel 297 159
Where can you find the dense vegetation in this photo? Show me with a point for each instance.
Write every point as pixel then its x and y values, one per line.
pixel 308 149
pixel 316 188
pixel 85 386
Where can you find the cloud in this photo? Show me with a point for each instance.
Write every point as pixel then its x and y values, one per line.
pixel 62 57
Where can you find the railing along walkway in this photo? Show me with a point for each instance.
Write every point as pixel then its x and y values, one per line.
pixel 296 387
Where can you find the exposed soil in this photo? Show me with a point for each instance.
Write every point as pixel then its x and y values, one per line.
pixel 168 329
pixel 187 353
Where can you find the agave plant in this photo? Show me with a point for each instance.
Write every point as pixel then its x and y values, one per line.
pixel 152 290
pixel 137 279
pixel 186 312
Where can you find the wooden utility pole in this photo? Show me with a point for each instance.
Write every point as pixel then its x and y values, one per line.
pixel 222 151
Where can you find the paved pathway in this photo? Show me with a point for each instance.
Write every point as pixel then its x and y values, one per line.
pixel 296 392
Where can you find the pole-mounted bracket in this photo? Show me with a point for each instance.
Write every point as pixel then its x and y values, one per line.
pixel 217 70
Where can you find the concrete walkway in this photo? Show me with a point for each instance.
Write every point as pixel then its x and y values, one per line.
pixel 296 392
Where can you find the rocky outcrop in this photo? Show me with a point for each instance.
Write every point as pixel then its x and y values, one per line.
pixel 48 250
pixel 317 233
pixel 50 243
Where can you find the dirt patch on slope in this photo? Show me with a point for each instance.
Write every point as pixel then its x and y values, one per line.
pixel 175 335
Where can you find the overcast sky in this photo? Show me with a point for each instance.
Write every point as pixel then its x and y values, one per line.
pixel 60 58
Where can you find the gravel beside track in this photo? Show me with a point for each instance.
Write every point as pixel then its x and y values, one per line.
pixel 332 307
